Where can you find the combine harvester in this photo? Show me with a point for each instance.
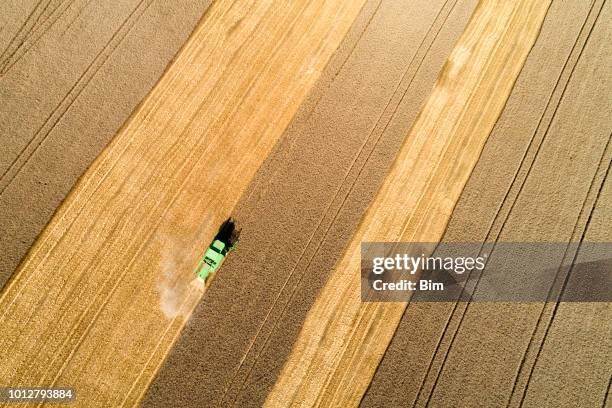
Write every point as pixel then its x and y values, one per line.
pixel 223 243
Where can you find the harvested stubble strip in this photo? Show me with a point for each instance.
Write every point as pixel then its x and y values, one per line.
pixel 343 339
pixel 84 309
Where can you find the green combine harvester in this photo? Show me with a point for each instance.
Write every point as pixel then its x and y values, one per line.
pixel 222 244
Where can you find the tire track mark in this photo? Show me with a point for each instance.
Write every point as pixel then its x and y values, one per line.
pixel 68 100
pixel 607 394
pixel 24 30
pixel 557 298
pixel 34 36
pixel 543 121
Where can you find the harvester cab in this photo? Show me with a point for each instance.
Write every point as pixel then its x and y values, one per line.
pixel 222 244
